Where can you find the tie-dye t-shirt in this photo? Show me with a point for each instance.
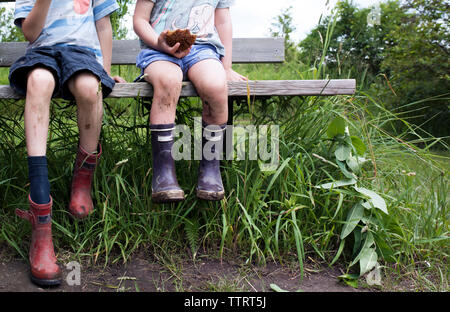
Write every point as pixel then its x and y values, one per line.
pixel 195 15
pixel 69 22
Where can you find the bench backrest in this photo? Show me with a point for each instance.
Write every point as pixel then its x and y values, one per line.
pixel 245 50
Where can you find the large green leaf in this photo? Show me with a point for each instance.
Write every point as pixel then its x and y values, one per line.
pixel 353 164
pixel 359 145
pixel 336 127
pixel 354 216
pixel 368 260
pixel 336 184
pixel 343 152
pixel 368 242
pixel 375 200
pixel 350 175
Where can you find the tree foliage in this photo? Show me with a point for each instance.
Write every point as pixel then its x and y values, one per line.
pixel 354 45
pixel 283 27
pixel 417 63
pixel 403 58
pixel 119 27
pixel 9 31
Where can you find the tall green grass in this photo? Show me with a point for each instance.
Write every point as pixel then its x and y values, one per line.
pixel 266 216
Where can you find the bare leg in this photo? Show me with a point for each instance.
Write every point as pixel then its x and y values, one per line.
pixel 210 81
pixel 85 88
pixel 166 79
pixel 40 86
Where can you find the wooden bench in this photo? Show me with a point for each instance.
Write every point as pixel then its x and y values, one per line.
pixel 245 50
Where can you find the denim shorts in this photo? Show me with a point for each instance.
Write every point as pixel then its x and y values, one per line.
pixel 199 52
pixel 63 62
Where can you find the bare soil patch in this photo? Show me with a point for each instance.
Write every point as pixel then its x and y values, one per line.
pixel 203 275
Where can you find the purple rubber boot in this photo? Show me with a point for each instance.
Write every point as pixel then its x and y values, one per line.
pixel 210 186
pixel 165 188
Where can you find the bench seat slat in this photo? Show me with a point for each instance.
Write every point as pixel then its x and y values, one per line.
pixel 293 87
pixel 257 88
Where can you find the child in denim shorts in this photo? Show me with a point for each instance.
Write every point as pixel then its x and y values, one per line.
pixel 207 64
pixel 69 54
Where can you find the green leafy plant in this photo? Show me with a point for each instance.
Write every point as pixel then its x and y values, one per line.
pixel 348 152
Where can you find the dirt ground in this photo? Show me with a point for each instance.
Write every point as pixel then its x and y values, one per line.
pixel 203 275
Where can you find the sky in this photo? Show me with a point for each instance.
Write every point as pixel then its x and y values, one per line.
pixel 253 18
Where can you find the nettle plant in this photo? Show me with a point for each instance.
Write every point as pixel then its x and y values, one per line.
pixel 348 152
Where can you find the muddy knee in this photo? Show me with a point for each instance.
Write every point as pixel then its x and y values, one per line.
pixel 86 88
pixel 40 82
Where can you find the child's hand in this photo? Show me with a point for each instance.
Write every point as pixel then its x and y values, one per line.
pixel 119 79
pixel 164 47
pixel 234 76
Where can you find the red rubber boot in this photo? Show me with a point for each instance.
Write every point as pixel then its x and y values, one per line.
pixel 83 172
pixel 44 269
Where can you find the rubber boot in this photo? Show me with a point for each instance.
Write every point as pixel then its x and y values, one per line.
pixel 83 172
pixel 165 188
pixel 210 186
pixel 44 269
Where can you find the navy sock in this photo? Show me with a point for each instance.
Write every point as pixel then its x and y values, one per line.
pixel 39 183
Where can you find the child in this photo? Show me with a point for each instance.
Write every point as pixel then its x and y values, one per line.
pixel 69 53
pixel 207 64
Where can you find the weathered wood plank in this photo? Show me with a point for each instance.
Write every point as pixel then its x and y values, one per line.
pixel 6 92
pixel 10 52
pixel 143 89
pixel 293 87
pixel 258 50
pixel 245 50
pixel 256 88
